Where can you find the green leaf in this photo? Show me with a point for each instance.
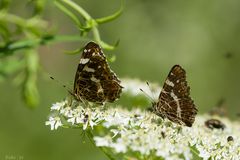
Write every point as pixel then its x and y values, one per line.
pixel 77 8
pixel 76 51
pixel 68 38
pixel 14 46
pixel 68 13
pixel 195 152
pixel 30 91
pixel 107 46
pixel 113 16
pixel 10 65
pixel 39 6
pixel 111 58
pixel 11 47
pixel 4 31
pixel 4 4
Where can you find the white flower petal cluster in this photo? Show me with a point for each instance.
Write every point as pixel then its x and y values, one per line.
pixel 54 122
pixel 72 113
pixel 133 87
pixel 144 133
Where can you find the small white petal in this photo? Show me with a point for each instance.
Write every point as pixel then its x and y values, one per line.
pixel 85 125
pixel 71 120
pixel 91 123
pixel 54 122
pixel 58 124
pixel 102 141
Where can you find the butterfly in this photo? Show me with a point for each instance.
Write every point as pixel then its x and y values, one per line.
pixel 94 80
pixel 174 101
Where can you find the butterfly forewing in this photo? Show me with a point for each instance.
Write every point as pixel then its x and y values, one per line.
pixel 174 100
pixel 94 80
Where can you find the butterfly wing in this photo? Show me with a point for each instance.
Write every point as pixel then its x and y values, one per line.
pixel 94 80
pixel 175 102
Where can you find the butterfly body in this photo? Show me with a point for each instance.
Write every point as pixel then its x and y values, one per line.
pixel 174 101
pixel 94 80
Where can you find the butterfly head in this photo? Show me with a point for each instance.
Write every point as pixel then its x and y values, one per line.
pixel 153 108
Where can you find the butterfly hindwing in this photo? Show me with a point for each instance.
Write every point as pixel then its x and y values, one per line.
pixel 94 80
pixel 175 102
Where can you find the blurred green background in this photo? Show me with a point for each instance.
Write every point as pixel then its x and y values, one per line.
pixel 203 36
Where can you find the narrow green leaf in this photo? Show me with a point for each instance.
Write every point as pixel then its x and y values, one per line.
pixel 4 4
pixel 111 58
pixel 111 17
pixel 39 6
pixel 30 94
pixel 14 46
pixel 30 91
pixel 77 8
pixel 11 47
pixel 76 51
pixel 109 47
pixel 68 38
pixel 4 32
pixel 10 65
pixel 68 13
pixel 195 152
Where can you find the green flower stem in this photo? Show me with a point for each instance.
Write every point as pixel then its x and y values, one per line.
pixel 87 17
pixel 96 35
pixel 90 23
pixel 90 137
pixel 68 13
pixel 113 16
pixel 12 19
pixel 25 44
pixel 20 21
pixel 79 9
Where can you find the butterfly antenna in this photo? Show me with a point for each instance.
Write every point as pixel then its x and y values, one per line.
pixel 60 83
pixel 150 88
pixel 147 95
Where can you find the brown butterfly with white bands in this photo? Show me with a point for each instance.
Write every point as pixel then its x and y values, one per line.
pixel 174 101
pixel 94 80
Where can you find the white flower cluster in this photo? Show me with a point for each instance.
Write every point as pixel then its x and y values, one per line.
pixel 133 87
pixel 214 143
pixel 146 134
pixel 74 115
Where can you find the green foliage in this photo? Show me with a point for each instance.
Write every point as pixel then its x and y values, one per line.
pixel 195 152
pixel 89 24
pixel 22 36
pixel 30 92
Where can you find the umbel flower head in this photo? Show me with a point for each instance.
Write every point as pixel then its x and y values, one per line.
pixel 139 134
pixel 143 135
